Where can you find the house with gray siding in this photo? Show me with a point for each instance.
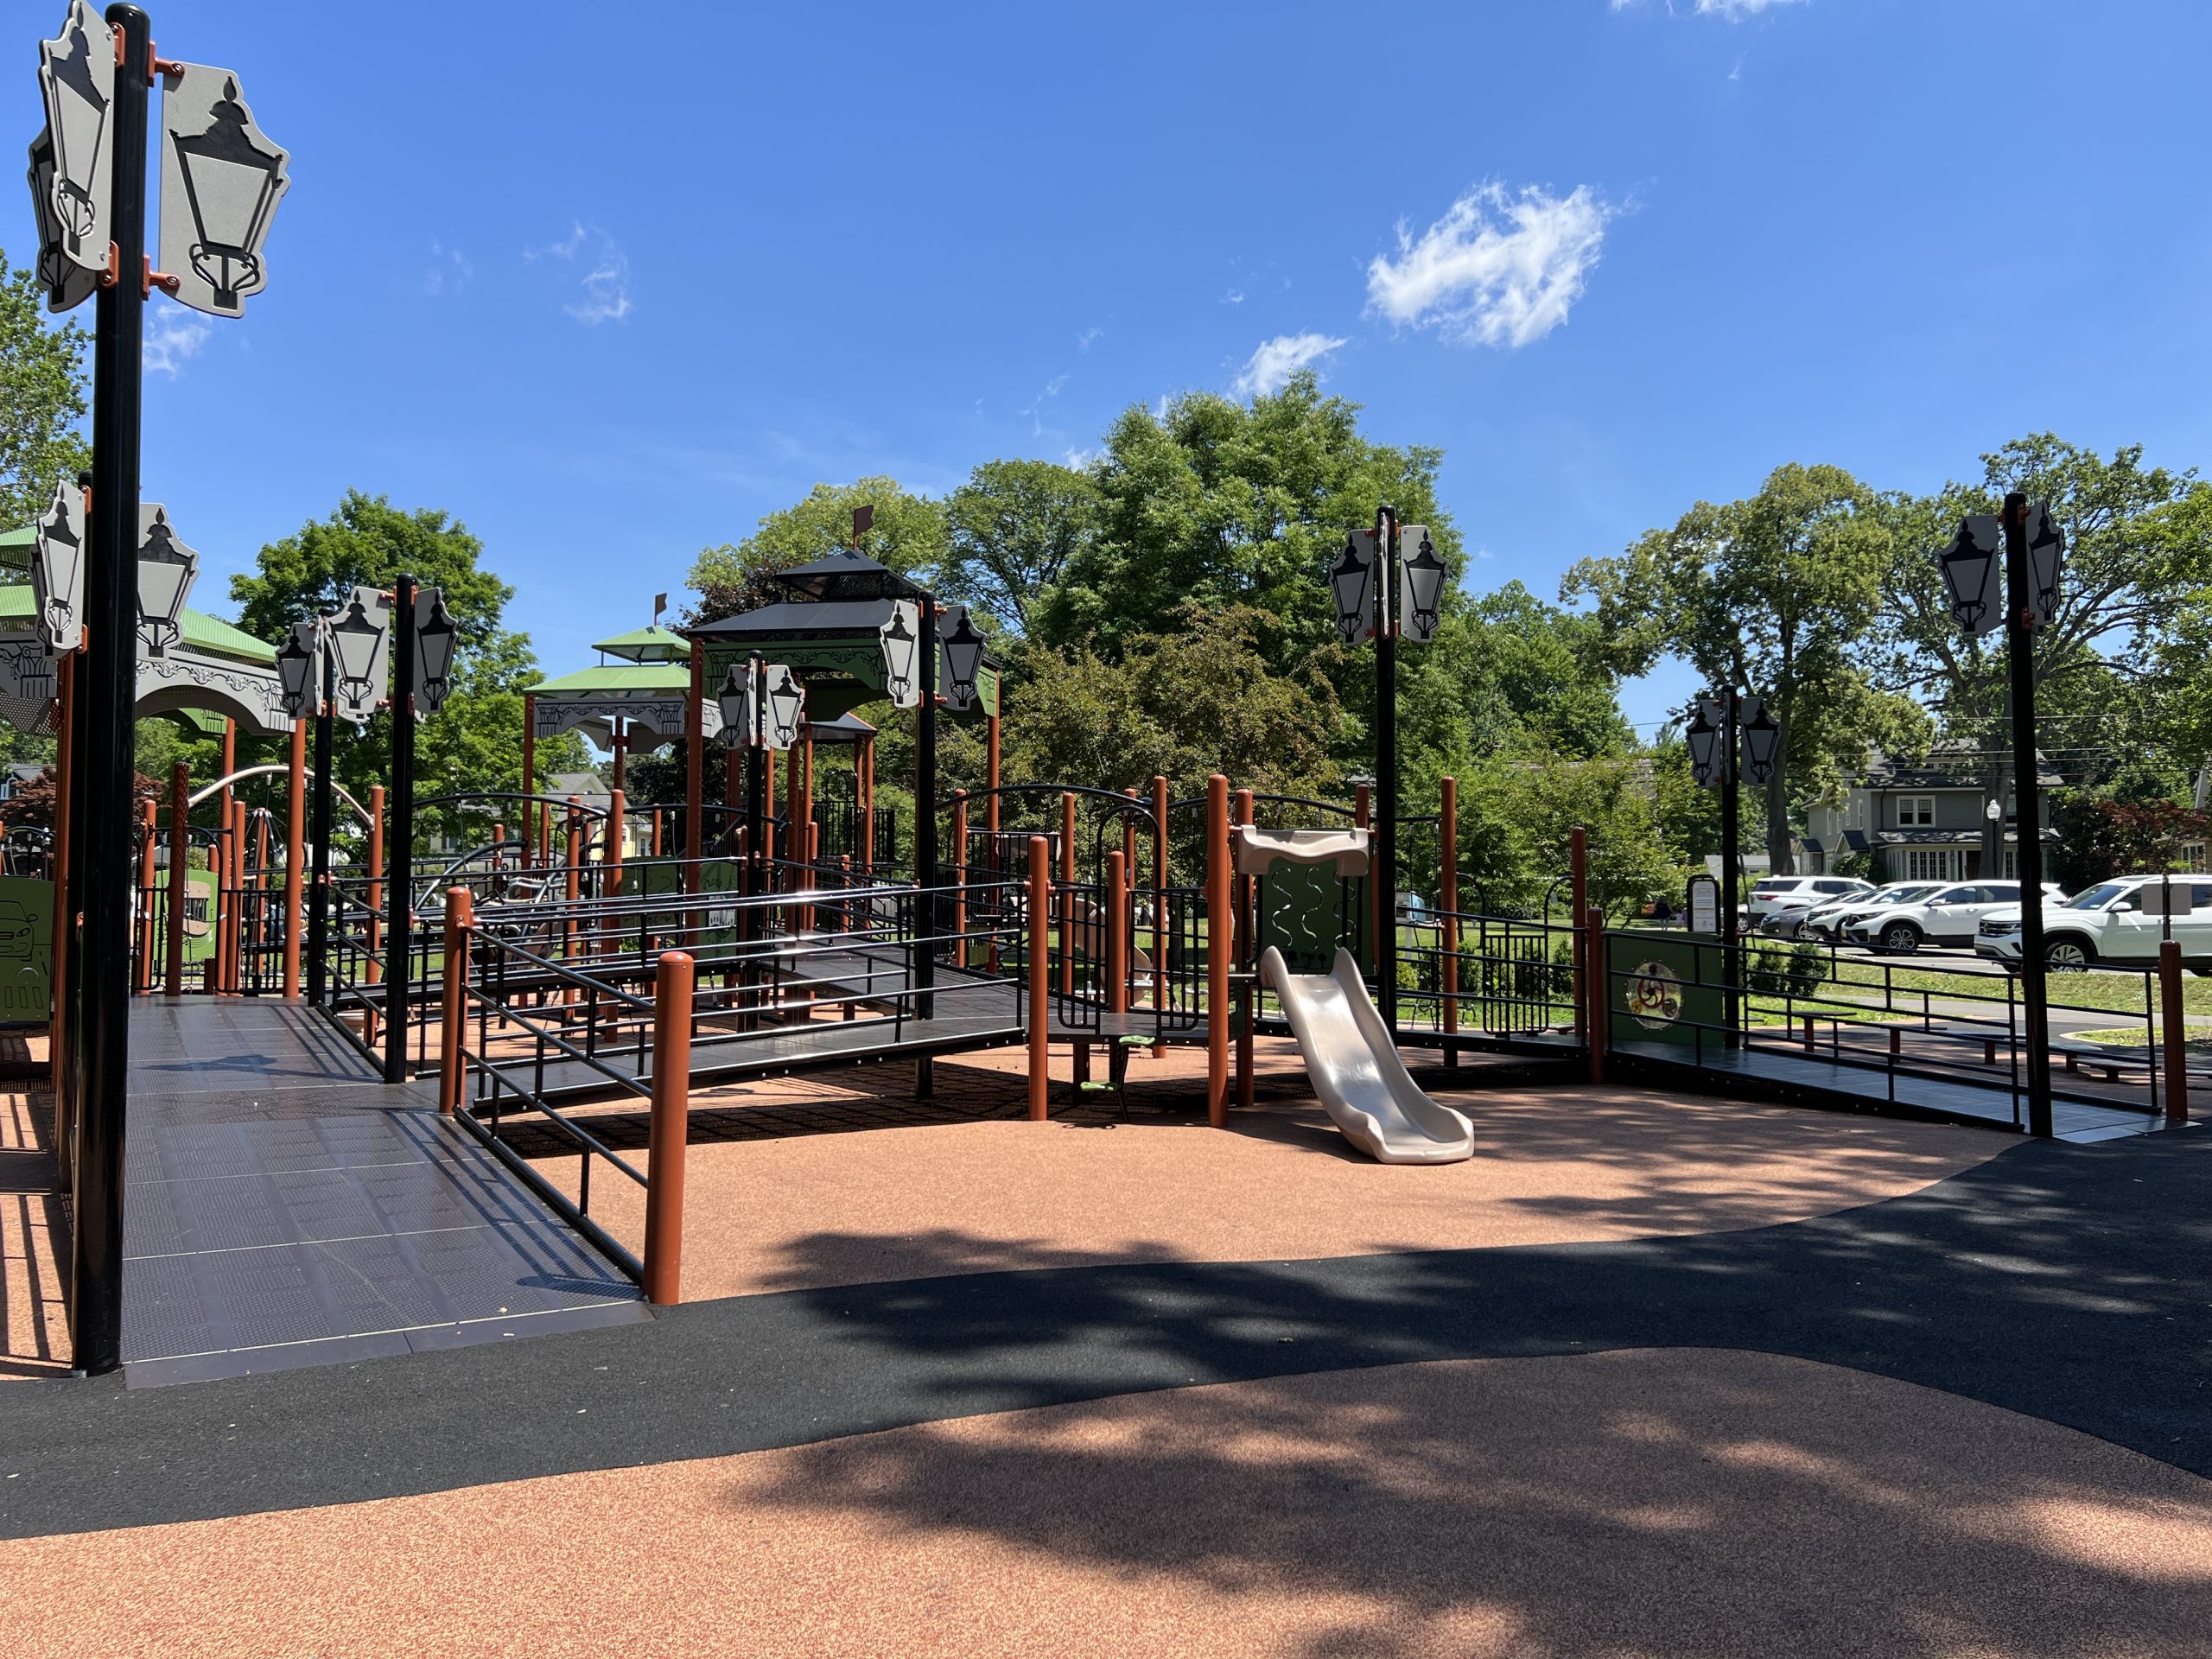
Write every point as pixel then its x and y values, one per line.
pixel 1921 822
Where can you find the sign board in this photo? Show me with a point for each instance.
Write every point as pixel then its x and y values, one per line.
pixel 221 180
pixel 1705 906
pixel 76 75
pixel 26 949
pixel 2046 561
pixel 361 635
pixel 1421 575
pixel 1760 738
pixel 1974 572
pixel 1710 759
pixel 1351 586
pixel 902 641
pixel 1663 989
pixel 783 710
pixel 59 559
pixel 65 283
pixel 2166 898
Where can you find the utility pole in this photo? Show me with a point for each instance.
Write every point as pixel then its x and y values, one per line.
pixel 1385 861
pixel 399 888
pixel 2020 655
pixel 319 829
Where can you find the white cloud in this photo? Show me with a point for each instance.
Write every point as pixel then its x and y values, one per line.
pixel 1234 296
pixel 1277 359
pixel 1080 461
pixel 606 284
pixel 1082 340
pixel 1497 270
pixel 1732 11
pixel 173 335
pixel 450 269
pixel 1035 411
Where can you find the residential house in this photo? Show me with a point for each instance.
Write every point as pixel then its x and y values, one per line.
pixel 1921 822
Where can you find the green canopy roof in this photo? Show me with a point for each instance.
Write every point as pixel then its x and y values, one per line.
pixel 653 645
pixel 611 679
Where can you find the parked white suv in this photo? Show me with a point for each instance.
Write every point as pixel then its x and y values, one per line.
pixel 1786 913
pixel 1949 915
pixel 1828 921
pixel 2108 923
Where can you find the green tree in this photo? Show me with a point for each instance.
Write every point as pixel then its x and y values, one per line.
pixel 1218 503
pixel 908 536
pixel 1518 813
pixel 41 399
pixel 472 744
pixel 1012 529
pixel 1772 593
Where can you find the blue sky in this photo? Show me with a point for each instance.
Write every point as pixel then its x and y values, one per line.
pixel 610 283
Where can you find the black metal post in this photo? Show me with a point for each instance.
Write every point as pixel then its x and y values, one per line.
pixel 1731 865
pixel 1384 864
pixel 399 853
pixel 70 1107
pixel 107 707
pixel 925 872
pixel 319 833
pixel 2020 653
pixel 756 794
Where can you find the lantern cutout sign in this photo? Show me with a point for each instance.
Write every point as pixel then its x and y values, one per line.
pixel 167 569
pixel 1762 740
pixel 783 710
pixel 963 660
pixel 1421 577
pixel 58 571
pixel 76 74
pixel 1973 575
pixel 361 635
pixel 221 180
pixel 740 719
pixel 900 638
pixel 435 635
pixel 1352 585
pixel 65 283
pixel 299 668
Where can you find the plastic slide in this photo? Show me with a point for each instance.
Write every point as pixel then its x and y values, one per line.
pixel 1356 1068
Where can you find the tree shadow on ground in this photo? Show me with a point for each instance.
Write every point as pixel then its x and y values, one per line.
pixel 1685 1503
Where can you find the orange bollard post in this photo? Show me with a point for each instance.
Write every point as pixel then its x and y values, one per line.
pixel 179 873
pixel 612 856
pixel 1220 936
pixel 1041 988
pixel 453 1033
pixel 150 830
pixel 2176 1033
pixel 670 1129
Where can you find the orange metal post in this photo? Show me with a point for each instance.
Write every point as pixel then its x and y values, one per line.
pixel 1600 997
pixel 295 819
pixel 452 1034
pixel 1447 847
pixel 611 859
pixel 238 924
pixel 1220 937
pixel 733 777
pixel 2176 1033
pixel 1041 988
pixel 149 831
pixel 671 1126
pixel 545 835
pixel 813 871
pixel 656 832
pixel 991 772
pixel 864 792
pixel 1577 854
pixel 575 876
pixel 180 868
pixel 620 741
pixel 806 791
pixel 228 857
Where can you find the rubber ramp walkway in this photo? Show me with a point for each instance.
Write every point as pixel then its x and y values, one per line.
pixel 283 1207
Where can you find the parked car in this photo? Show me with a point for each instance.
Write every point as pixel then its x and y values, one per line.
pixel 1828 921
pixel 2108 923
pixel 1787 914
pixel 1775 892
pixel 1949 915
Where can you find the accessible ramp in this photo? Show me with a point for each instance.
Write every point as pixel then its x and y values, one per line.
pixel 1355 1070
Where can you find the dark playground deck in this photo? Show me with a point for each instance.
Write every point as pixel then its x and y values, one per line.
pixel 283 1207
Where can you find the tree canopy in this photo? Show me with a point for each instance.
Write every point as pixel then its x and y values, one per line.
pixel 41 399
